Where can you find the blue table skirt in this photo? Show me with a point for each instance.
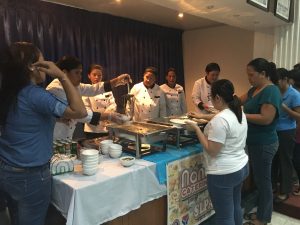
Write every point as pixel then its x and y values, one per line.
pixel 171 154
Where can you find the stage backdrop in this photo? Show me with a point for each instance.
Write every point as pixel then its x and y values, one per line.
pixel 120 45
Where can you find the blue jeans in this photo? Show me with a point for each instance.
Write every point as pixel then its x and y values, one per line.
pixel 261 157
pixel 28 193
pixel 225 194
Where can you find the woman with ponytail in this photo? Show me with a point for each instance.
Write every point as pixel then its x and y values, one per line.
pixel 262 105
pixel 224 140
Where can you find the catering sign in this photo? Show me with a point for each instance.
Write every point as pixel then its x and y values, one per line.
pixel 188 199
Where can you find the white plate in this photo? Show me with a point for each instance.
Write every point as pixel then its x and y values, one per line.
pixel 177 121
pixel 201 121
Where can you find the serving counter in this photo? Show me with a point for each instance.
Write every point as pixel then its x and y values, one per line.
pixel 115 190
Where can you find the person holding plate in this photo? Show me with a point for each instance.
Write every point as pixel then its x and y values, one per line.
pixel 223 141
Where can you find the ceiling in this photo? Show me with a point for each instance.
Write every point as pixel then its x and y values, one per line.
pixel 197 13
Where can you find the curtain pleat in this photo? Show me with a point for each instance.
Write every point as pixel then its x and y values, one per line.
pixel 120 45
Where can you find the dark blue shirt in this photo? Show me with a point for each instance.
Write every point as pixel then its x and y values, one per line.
pixel 26 139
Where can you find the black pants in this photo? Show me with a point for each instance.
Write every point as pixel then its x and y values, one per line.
pixel 282 166
pixel 296 159
pixel 3 203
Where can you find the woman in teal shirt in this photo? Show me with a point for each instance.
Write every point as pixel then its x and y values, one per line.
pixel 262 106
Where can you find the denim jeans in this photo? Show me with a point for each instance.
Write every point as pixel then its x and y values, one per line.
pixel 28 193
pixel 225 194
pixel 261 157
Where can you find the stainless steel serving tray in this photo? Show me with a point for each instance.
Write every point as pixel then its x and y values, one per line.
pixel 141 133
pixel 147 132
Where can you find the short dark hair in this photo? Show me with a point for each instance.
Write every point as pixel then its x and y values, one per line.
pixel 95 66
pixel 282 73
pixel 212 67
pixel 295 75
pixel 151 69
pixel 68 63
pixel 297 66
pixel 170 69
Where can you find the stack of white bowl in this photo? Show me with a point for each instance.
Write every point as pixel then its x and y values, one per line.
pixel 104 146
pixel 115 150
pixel 90 159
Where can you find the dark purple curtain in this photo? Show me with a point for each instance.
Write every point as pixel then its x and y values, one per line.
pixel 120 45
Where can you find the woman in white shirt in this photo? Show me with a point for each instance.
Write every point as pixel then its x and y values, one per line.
pixel 175 97
pixel 223 141
pixel 103 103
pixel 148 101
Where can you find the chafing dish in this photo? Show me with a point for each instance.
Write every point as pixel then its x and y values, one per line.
pixel 141 133
pixel 183 134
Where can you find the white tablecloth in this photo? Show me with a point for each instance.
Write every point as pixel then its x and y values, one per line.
pixel 112 192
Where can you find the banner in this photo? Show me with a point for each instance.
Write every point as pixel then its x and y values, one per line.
pixel 188 199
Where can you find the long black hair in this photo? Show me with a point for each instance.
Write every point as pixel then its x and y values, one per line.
pixel 261 64
pixel 224 88
pixel 15 74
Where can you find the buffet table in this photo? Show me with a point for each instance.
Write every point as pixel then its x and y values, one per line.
pixel 114 190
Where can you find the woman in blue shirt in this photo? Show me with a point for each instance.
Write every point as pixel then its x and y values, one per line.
pixel 262 104
pixel 27 117
pixel 282 167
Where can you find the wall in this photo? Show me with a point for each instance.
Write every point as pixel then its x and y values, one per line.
pixel 264 44
pixel 232 48
pixel 287 41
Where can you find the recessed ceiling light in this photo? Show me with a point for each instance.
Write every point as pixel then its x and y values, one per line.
pixel 180 15
pixel 118 1
pixel 210 6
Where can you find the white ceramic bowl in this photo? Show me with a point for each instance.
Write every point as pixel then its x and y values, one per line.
pixel 115 151
pixel 90 167
pixel 93 164
pixel 114 154
pixel 90 153
pixel 90 162
pixel 115 147
pixel 105 149
pixel 104 146
pixel 89 172
pixel 127 161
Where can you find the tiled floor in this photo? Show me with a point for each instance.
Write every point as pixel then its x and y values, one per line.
pixel 277 219
pixel 280 219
